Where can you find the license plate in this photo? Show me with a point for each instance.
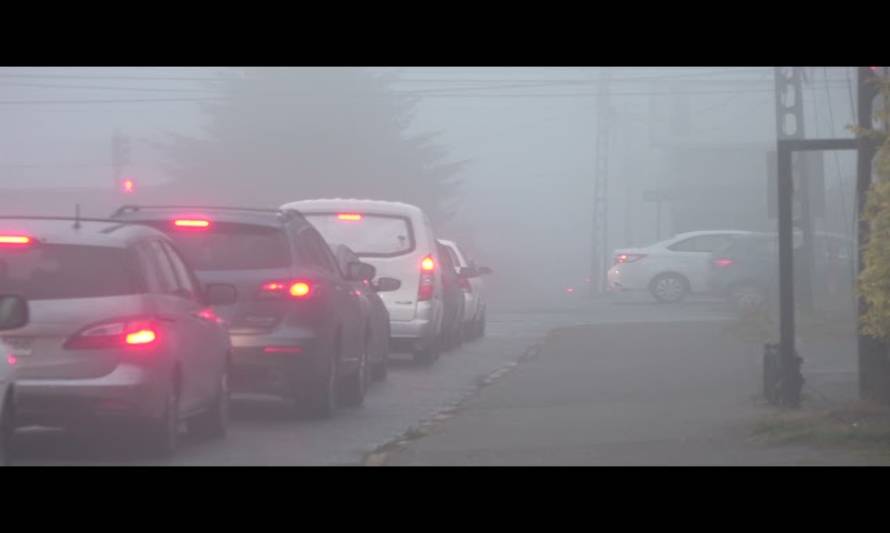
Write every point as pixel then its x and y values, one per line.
pixel 17 346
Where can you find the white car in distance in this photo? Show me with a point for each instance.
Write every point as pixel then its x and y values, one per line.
pixel 671 269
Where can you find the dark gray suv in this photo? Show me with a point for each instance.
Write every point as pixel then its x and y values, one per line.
pixel 298 330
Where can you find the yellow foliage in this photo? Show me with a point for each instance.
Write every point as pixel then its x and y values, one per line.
pixel 874 281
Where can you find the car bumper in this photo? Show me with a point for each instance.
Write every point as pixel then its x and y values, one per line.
pixel 282 363
pixel 128 391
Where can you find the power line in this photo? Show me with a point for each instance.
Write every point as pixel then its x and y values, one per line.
pixel 100 87
pixel 112 101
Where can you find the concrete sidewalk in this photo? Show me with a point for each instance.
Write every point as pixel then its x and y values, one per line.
pixel 619 394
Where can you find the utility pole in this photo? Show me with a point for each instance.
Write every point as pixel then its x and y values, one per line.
pixel 120 157
pixel 790 125
pixel 599 245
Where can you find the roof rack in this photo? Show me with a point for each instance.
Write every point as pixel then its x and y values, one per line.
pixel 135 208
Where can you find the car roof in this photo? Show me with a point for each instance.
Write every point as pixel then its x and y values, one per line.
pixel 381 207
pixel 89 233
pixel 235 215
pixel 689 234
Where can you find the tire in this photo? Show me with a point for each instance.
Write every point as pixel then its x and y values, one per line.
pixel 214 423
pixel 480 327
pixel 380 369
pixel 162 436
pixel 356 385
pixel 669 288
pixel 323 398
pixel 747 298
pixel 428 354
pixel 7 425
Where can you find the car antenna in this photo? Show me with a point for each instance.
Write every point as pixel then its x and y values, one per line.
pixel 76 216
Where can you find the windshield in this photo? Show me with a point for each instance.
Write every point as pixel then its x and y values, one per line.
pixel 57 272
pixel 233 247
pixel 366 235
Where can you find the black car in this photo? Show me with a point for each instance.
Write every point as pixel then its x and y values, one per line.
pixel 298 330
pixel 378 316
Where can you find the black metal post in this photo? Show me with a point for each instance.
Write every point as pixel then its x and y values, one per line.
pixel 788 355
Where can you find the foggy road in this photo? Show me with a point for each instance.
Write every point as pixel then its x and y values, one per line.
pixel 682 394
pixel 263 432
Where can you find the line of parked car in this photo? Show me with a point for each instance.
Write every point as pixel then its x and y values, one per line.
pixel 740 266
pixel 150 319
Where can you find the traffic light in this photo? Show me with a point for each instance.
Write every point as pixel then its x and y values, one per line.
pixel 128 186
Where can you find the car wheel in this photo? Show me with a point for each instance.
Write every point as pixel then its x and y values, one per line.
pixel 323 398
pixel 747 299
pixel 7 425
pixel 480 327
pixel 669 288
pixel 356 385
pixel 380 369
pixel 428 354
pixel 162 436
pixel 214 423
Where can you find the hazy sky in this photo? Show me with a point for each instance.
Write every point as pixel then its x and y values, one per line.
pixel 529 133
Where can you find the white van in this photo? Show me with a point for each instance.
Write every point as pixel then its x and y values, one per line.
pixel 398 240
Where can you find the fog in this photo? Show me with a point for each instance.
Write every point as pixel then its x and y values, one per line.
pixel 503 160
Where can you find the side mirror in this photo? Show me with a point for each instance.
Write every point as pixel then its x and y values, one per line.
pixel 358 271
pixel 468 272
pixel 387 285
pixel 220 294
pixel 484 271
pixel 13 312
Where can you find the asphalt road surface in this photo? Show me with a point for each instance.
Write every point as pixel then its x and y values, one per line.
pixel 264 432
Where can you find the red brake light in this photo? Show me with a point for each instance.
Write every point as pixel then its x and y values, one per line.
pixel 15 240
pixel 425 289
pixel 628 258
pixel 136 333
pixel 191 223
pixel 298 289
pixel 143 336
pixel 208 314
pixel 349 217
pixel 283 349
pixel 723 262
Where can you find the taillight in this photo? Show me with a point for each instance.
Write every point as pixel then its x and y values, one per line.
pixel 349 217
pixel 723 262
pixel 628 258
pixel 297 289
pixel 191 223
pixel 121 334
pixel 15 240
pixel 283 349
pixel 425 289
pixel 209 315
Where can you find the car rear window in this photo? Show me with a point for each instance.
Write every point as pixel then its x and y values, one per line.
pixel 366 235
pixel 227 246
pixel 61 271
